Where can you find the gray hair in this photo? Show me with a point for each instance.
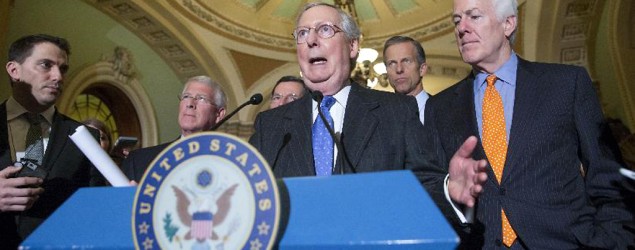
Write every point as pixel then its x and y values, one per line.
pixel 220 100
pixel 504 9
pixel 347 24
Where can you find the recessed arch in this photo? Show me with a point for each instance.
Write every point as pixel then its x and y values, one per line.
pixel 125 97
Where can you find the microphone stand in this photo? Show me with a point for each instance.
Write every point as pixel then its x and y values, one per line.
pixel 341 155
pixel 254 100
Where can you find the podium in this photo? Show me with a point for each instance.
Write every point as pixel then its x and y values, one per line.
pixel 381 210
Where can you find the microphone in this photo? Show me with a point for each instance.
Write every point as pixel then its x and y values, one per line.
pixel 254 100
pixel 341 155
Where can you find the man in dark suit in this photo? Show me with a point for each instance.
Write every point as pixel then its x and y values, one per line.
pixel 36 67
pixel 201 106
pixel 378 131
pixel 405 61
pixel 553 180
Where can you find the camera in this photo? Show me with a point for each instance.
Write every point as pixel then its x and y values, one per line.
pixel 30 168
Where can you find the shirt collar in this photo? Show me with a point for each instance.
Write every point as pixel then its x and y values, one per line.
pixel 506 73
pixel 421 99
pixel 341 97
pixel 15 110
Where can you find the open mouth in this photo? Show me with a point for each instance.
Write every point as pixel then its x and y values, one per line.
pixel 317 60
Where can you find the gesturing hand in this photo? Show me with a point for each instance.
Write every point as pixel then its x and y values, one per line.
pixel 18 194
pixel 467 175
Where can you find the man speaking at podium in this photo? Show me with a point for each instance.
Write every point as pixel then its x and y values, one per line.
pixel 201 106
pixel 373 130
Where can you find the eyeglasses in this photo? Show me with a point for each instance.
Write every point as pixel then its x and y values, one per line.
pixel 324 31
pixel 406 62
pixel 288 98
pixel 198 98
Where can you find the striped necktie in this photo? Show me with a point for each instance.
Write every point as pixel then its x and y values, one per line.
pixel 34 143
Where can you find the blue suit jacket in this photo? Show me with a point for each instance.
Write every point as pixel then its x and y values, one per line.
pixel 557 128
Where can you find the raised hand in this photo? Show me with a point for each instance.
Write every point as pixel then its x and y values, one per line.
pixel 467 175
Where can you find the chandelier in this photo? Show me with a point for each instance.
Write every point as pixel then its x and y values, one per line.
pixel 366 71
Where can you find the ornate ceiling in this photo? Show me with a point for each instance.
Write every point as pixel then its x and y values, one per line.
pixel 270 22
pixel 249 41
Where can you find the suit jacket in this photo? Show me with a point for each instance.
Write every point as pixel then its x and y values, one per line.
pixel 557 127
pixel 68 170
pixel 381 131
pixel 135 165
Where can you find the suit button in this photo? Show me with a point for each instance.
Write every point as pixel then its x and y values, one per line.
pixel 498 242
pixel 502 191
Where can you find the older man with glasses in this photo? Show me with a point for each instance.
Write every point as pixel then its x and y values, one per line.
pixel 377 130
pixel 201 106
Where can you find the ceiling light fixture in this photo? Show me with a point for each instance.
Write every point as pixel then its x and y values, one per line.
pixel 366 71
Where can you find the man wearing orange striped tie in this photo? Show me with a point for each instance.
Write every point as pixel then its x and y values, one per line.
pixel 538 124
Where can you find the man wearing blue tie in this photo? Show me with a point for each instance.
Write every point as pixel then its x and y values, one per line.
pixel 375 130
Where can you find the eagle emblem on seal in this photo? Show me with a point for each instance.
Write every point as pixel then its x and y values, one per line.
pixel 207 211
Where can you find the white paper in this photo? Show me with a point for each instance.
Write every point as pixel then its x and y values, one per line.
pixel 89 146
pixel 628 173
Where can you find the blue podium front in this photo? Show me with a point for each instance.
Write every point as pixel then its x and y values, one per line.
pixel 363 211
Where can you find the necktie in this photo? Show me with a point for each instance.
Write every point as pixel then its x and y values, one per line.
pixel 322 141
pixel 495 143
pixel 34 144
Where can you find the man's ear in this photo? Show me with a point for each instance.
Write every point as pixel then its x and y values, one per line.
pixel 220 115
pixel 423 69
pixel 13 69
pixel 354 48
pixel 510 25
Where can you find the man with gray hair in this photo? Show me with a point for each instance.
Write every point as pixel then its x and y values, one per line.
pixel 201 106
pixel 377 130
pixel 537 123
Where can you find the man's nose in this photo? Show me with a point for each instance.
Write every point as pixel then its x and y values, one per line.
pixel 56 74
pixel 312 38
pixel 191 103
pixel 462 27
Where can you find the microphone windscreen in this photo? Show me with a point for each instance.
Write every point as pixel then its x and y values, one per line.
pixel 256 99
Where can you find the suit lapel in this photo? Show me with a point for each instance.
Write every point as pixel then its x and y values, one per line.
pixel 464 108
pixel 465 105
pixel 528 95
pixel 298 121
pixel 359 123
pixel 57 140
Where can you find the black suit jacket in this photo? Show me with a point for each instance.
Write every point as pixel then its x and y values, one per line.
pixel 381 131
pixel 68 170
pixel 135 165
pixel 557 127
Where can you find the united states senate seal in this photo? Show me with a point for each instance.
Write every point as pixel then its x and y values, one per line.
pixel 207 191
